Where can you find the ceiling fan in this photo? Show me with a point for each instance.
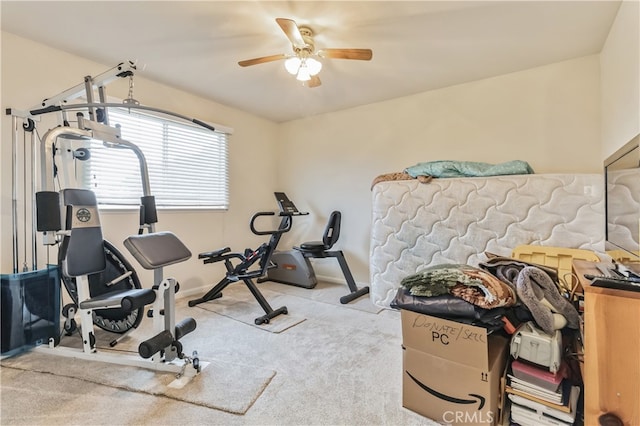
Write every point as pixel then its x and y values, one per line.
pixel 304 63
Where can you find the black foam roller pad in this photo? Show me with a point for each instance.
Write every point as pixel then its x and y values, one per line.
pixel 185 327
pixel 150 347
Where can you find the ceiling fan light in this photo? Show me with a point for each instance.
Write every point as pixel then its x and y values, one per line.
pixel 292 65
pixel 314 66
pixel 303 74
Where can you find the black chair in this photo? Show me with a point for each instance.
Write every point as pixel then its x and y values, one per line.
pixel 322 249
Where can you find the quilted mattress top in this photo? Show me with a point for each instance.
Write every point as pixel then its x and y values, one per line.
pixel 456 220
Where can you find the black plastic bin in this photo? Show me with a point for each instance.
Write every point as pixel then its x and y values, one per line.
pixel 30 309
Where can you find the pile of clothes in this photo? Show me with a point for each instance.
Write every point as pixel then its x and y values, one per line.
pixel 498 291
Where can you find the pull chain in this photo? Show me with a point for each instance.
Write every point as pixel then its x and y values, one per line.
pixel 130 99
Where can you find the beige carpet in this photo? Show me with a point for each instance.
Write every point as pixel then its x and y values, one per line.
pixel 238 303
pixel 324 292
pixel 340 367
pixel 225 386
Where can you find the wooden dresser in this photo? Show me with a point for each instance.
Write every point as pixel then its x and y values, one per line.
pixel 611 350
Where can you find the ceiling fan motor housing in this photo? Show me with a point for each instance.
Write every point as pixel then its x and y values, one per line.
pixel 307 36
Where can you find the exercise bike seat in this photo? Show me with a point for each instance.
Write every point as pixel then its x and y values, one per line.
pixel 329 238
pixel 158 249
pixel 313 246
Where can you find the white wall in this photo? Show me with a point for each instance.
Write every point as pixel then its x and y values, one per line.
pixel 620 79
pixel 548 116
pixel 32 72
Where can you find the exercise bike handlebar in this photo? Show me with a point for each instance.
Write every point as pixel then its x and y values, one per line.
pixel 285 224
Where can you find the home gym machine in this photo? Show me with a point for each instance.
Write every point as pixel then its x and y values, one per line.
pixel 293 266
pixel 241 270
pixel 104 288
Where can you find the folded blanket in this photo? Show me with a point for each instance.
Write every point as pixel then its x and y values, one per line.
pixel 449 169
pixel 398 176
pixel 469 283
pixel 451 308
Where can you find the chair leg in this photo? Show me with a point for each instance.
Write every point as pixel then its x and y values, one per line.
pixel 353 288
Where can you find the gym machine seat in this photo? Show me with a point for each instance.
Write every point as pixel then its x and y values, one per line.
pixel 322 249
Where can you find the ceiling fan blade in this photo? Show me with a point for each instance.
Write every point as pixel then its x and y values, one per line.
pixel 314 82
pixel 262 60
pixel 360 54
pixel 292 32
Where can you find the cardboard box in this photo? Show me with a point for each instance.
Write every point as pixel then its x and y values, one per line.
pixel 451 371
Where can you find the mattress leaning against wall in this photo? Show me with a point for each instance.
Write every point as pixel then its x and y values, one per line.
pixel 456 220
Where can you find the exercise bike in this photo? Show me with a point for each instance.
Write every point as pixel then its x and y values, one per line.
pixel 240 271
pixel 293 266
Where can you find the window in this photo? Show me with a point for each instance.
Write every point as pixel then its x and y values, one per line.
pixel 188 164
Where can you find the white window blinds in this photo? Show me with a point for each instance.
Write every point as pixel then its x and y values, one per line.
pixel 188 165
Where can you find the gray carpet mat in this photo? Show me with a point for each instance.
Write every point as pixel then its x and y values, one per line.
pixel 222 385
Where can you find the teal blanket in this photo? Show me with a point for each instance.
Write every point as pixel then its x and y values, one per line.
pixel 449 169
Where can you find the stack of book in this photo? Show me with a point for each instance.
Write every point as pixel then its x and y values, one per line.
pixel 539 397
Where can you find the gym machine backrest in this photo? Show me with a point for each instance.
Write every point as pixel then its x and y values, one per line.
pixel 84 253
